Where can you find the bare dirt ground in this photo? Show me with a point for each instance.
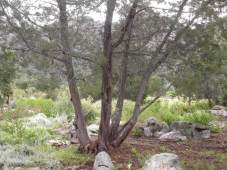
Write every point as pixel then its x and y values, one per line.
pixel 194 154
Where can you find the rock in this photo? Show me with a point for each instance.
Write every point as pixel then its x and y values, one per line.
pixel 163 161
pixel 164 127
pixel 218 107
pixel 172 136
pixel 219 112
pixel 72 168
pixel 147 132
pixel 63 131
pixel 153 125
pixel 72 135
pixel 12 104
pixel 158 134
pixel 60 119
pixel 93 129
pixel 186 128
pixel 151 121
pixel 103 161
pixel 201 131
pixel 218 124
pixel 58 143
pixel 40 120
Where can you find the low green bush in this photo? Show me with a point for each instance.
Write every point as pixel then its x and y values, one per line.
pixel 67 156
pixel 16 132
pixel 201 117
pixel 170 117
pixel 138 132
pixel 46 106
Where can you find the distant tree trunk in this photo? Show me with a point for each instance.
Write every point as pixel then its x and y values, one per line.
pixel 106 106
pixel 79 121
pixel 189 100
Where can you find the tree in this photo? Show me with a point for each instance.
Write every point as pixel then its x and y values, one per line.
pixel 202 51
pixel 7 75
pixel 59 35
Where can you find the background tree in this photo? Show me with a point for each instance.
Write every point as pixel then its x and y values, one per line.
pixel 7 75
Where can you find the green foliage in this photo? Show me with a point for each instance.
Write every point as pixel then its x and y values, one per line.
pixel 156 86
pixel 202 50
pixel 201 117
pixel 90 88
pixel 171 93
pixel 46 106
pixel 7 74
pixel 16 132
pixel 138 132
pixel 170 117
pixel 70 156
pixel 89 110
pixel 198 166
pixel 170 111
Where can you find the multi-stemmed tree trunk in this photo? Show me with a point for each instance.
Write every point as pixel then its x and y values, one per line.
pixel 110 133
pixel 106 78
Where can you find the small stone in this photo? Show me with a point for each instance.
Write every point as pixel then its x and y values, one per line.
pixel 147 132
pixel 93 129
pixel 165 127
pixel 201 131
pixel 172 136
pixel 184 127
pixel 58 143
pixel 103 161
pixel 151 121
pixel 218 107
pixel 163 161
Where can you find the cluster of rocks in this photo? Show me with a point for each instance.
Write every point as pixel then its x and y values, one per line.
pixel 163 161
pixel 177 131
pixel 219 111
pixel 70 132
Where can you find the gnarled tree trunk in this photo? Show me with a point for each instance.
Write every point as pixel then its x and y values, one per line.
pixel 79 121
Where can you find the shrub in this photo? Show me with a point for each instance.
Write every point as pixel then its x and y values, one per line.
pixel 170 117
pixel 201 117
pixel 46 106
pixel 89 110
pixel 138 132
pixel 15 132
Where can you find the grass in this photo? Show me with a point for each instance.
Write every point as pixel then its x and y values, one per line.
pixel 17 132
pixel 37 105
pixel 171 111
pixel 201 117
pixel 167 111
pixel 67 156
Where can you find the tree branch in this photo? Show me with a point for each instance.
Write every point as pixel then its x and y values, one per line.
pixel 129 20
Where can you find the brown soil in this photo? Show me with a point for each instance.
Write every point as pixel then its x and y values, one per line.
pixel 194 154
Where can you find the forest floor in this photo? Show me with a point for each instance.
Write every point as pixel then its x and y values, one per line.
pixel 207 154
